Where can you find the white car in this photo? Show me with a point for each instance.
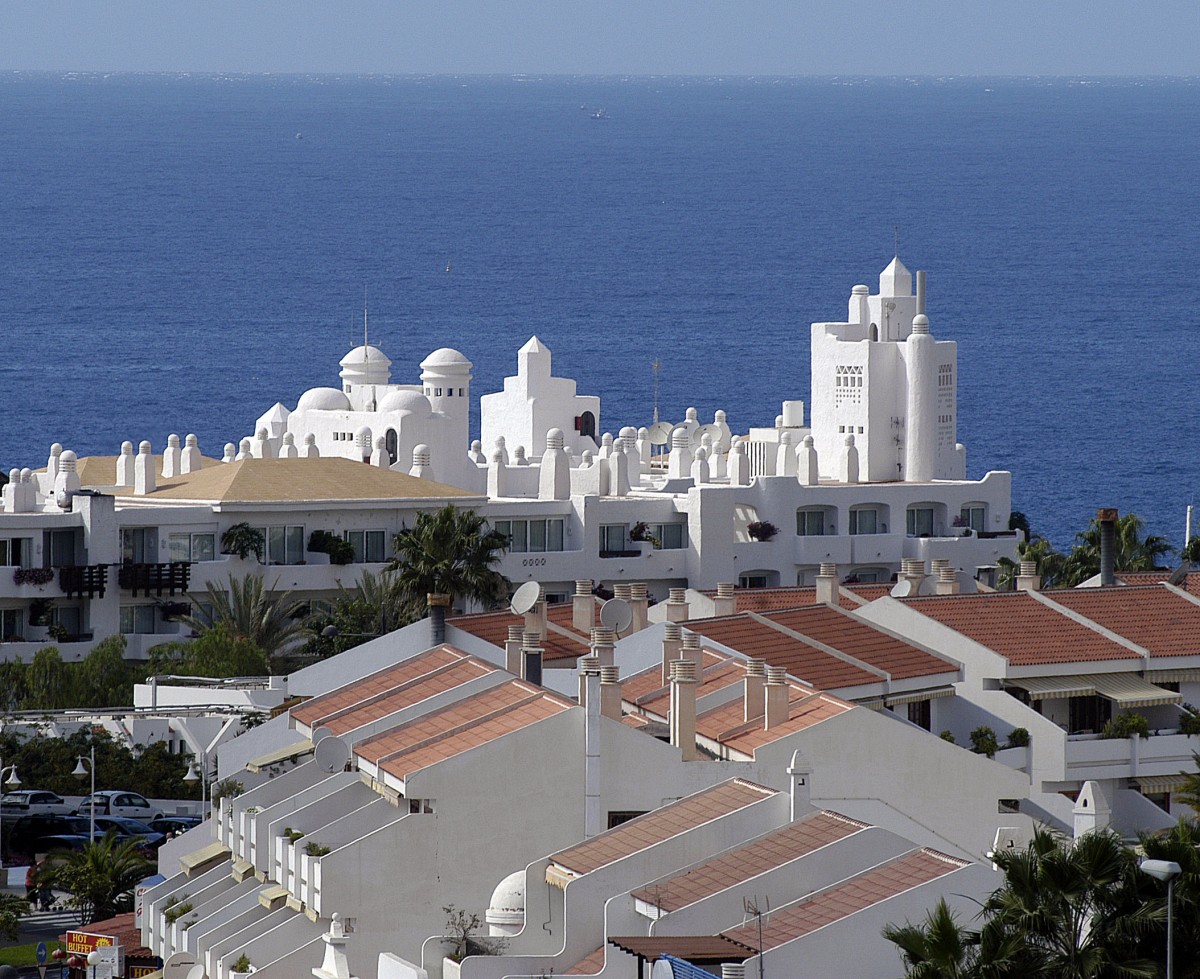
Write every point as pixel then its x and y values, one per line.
pixel 33 801
pixel 114 802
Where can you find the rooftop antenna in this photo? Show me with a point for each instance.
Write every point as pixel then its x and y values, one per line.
pixel 896 234
pixel 364 317
pixel 656 368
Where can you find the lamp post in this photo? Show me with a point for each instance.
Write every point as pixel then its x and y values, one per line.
pixel 1166 870
pixel 81 770
pixel 191 776
pixel 14 782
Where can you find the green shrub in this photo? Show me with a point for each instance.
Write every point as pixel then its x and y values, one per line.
pixel 340 551
pixel 1189 720
pixel 315 849
pixel 242 964
pixel 983 741
pixel 1127 725
pixel 177 911
pixel 946 735
pixel 292 834
pixel 243 540
pixel 1018 737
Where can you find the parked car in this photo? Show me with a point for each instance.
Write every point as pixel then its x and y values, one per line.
pixel 131 828
pixel 28 801
pixel 175 824
pixel 114 802
pixel 41 832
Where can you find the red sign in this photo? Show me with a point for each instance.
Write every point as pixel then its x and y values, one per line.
pixel 81 942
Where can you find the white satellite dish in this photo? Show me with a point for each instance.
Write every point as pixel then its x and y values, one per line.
pixel 660 433
pixel 616 614
pixel 525 598
pixel 711 431
pixel 928 586
pixel 180 965
pixel 196 972
pixel 320 734
pixel 331 754
pixel 903 589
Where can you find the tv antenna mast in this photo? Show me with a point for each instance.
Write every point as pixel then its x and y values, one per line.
pixel 656 369
pixel 751 909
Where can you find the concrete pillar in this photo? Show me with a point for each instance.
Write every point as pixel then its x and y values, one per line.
pixel 512 650
pixel 739 465
pixel 775 697
pixel 827 584
pixel 807 469
pixel 497 477
pixel 672 643
pixel 785 455
pixel 535 618
pixel 287 450
pixel 125 465
pixel 676 605
pixel 692 649
pixel 683 708
pixel 947 582
pixel 753 695
pixel 679 462
pixel 422 461
pixel 639 604
pixel 554 478
pixel 171 458
pixel 1028 579
pixel 700 469
pixel 309 449
pixel 920 445
pixel 801 775
pixel 610 692
pixel 726 602
pixel 531 657
pixel 618 470
pixel 587 665
pixel 583 606
pixel 143 471
pixel 849 468
pixel 604 645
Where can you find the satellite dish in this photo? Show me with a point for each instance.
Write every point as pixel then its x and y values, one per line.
pixel 660 433
pixel 903 589
pixel 711 431
pixel 196 972
pixel 182 965
pixel 320 734
pixel 331 754
pixel 525 598
pixel 928 586
pixel 616 614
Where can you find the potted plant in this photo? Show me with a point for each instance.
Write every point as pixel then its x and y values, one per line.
pixel 641 533
pixel 241 967
pixel 243 540
pixel 338 550
pixel 762 530
pixel 39 618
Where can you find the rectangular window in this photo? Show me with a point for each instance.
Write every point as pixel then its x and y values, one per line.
pixel 139 545
pixel 285 545
pixel 672 536
pixel 613 537
pixel 920 714
pixel 864 521
pixel 10 623
pixel 368 545
pixel 66 616
pixel 191 547
pixel 519 535
pixel 59 548
pixel 15 551
pixel 752 581
pixel 137 619
pixel 1088 715
pixel 971 516
pixel 537 535
pixel 532 535
pixel 920 521
pixel 554 535
pixel 810 523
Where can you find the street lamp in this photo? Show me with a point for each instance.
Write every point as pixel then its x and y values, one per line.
pixel 1166 870
pixel 192 775
pixel 14 782
pixel 81 770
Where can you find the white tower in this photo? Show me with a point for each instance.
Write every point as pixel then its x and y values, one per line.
pixel 446 382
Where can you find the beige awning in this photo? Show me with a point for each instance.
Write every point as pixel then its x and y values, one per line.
pixel 1130 690
pixel 289 753
pixel 1053 687
pixel 241 870
pixel 918 695
pixel 1158 784
pixel 207 857
pixel 1173 676
pixel 272 898
pixel 875 703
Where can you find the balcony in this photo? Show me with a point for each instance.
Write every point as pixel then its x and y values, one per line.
pixel 85 581
pixel 155 579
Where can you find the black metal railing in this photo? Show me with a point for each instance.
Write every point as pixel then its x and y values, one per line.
pixel 154 578
pixel 84 581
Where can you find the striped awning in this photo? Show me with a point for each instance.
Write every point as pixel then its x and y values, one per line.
pixel 918 695
pixel 1173 676
pixel 289 753
pixel 241 870
pixel 1130 690
pixel 1053 687
pixel 875 703
pixel 1158 784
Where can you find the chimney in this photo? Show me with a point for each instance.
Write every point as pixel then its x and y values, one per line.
pixel 535 618
pixel 587 666
pixel 1107 518
pixel 691 650
pixel 776 697
pixel 672 643
pixel 639 604
pixel 947 582
pixel 726 602
pixel 683 708
pixel 755 683
pixel 1028 578
pixel 603 645
pixel 677 606
pixel 733 970
pixel 801 774
pixel 589 685
pixel 621 590
pixel 583 606
pixel 920 293
pixel 531 657
pixel 512 650
pixel 827 584
pixel 143 471
pixel 438 603
pixel 610 692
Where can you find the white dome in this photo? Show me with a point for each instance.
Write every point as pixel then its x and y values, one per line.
pixel 507 907
pixel 413 401
pixel 445 357
pixel 365 354
pixel 323 399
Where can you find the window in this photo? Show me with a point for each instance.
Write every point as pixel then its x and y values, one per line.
pixel 10 623
pixel 613 537
pixel 919 521
pixel 971 516
pixel 15 551
pixel 671 536
pixel 59 548
pixel 66 616
pixel 137 619
pixel 139 545
pixel 532 535
pixel 285 545
pixel 752 581
pixel 191 547
pixel 368 545
pixel 864 520
pixel 618 816
pixel 920 714
pixel 810 523
pixel 1088 715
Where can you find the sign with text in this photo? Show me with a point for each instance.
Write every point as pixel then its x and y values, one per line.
pixel 82 942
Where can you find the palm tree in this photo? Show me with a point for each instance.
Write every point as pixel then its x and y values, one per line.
pixel 1182 845
pixel 939 949
pixel 1050 563
pixel 101 877
pixel 1189 791
pixel 451 552
pixel 384 594
pixel 269 619
pixel 1131 551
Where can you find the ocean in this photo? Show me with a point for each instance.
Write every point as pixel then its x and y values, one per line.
pixel 178 253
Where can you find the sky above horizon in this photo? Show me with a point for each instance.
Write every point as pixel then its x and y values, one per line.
pixel 685 37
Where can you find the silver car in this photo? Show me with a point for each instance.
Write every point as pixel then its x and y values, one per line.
pixel 33 801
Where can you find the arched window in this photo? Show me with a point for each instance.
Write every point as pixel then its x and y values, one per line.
pixel 874 332
pixel 392 444
pixel 585 424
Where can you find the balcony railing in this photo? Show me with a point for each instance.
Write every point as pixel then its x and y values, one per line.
pixel 154 578
pixel 86 581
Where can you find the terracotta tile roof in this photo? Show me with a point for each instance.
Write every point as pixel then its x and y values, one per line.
pixel 846 898
pixel 493 627
pixel 661 824
pixel 123 929
pixel 647 682
pixel 1019 628
pixel 793 596
pixel 805 835
pixel 713 678
pixel 459 727
pixel 868 592
pixel 862 641
pixel 326 705
pixel 801 660
pixel 725 724
pixel 590 965
pixel 297 480
pixel 1151 616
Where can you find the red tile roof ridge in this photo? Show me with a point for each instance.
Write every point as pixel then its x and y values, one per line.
pixel 1087 623
pixel 823 647
pixel 723 658
pixel 843 818
pixel 756 722
pixel 571 634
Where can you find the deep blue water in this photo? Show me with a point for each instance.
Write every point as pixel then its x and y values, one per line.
pixel 174 259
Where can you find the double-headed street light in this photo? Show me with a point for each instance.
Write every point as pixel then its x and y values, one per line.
pixel 12 782
pixel 192 776
pixel 1166 870
pixel 81 769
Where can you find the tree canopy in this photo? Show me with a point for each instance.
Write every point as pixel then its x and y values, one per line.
pixel 100 878
pixel 453 552
pixel 248 609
